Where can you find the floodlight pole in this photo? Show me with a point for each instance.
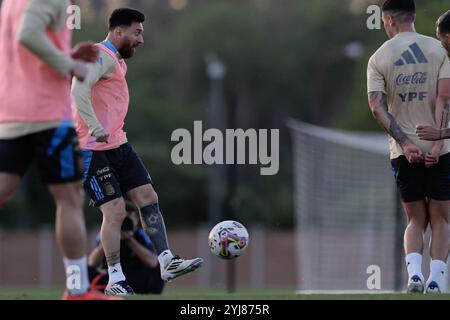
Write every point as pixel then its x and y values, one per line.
pixel 230 198
pixel 216 72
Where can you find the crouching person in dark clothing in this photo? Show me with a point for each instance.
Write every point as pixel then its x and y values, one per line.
pixel 137 256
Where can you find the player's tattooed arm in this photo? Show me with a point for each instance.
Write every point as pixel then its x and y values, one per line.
pixel 113 258
pixel 379 108
pixel 445 131
pixel 441 130
pixel 443 108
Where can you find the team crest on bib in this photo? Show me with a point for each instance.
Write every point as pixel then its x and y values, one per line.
pixel 109 189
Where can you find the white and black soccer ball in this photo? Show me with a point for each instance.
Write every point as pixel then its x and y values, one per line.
pixel 228 239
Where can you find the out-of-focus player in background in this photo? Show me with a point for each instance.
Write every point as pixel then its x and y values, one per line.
pixel 443 31
pixel 36 65
pixel 113 170
pixel 426 131
pixel 408 82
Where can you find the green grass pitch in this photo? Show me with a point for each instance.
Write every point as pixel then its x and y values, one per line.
pixel 202 294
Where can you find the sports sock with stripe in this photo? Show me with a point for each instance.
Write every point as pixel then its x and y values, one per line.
pixel 115 274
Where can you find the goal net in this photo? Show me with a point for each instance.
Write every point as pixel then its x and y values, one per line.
pixel 348 220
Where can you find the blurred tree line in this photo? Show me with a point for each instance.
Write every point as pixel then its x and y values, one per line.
pixel 284 58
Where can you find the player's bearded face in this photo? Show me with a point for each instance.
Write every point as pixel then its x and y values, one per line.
pixel 132 39
pixel 128 49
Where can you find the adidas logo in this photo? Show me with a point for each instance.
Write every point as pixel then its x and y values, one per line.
pixel 174 265
pixel 119 288
pixel 413 55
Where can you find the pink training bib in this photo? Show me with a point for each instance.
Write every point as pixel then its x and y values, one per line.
pixel 30 90
pixel 110 100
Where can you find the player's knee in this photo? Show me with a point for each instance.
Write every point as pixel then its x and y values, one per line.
pixel 70 200
pixel 68 196
pixel 115 217
pixel 438 219
pixel 149 197
pixel 114 212
pixel 418 222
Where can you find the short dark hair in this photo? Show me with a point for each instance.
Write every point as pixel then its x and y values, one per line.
pixel 399 5
pixel 125 17
pixel 443 23
pixel 404 11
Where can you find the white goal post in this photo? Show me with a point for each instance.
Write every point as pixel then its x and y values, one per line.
pixel 348 219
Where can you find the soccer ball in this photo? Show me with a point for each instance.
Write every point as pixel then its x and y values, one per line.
pixel 228 239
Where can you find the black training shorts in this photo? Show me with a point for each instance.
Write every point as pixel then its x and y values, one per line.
pixel 416 182
pixel 112 173
pixel 56 151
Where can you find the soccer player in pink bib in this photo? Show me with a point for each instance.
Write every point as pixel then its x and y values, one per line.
pixel 36 66
pixel 113 170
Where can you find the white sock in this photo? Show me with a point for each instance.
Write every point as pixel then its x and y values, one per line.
pixel 438 270
pixel 115 274
pixel 77 278
pixel 165 257
pixel 414 265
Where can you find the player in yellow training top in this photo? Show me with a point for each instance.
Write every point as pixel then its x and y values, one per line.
pixel 407 77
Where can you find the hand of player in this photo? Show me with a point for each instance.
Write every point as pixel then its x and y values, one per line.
pixel 412 153
pixel 80 70
pixel 101 136
pixel 432 156
pixel 85 51
pixel 427 132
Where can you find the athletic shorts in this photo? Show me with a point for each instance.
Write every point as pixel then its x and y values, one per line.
pixel 416 182
pixel 56 151
pixel 111 174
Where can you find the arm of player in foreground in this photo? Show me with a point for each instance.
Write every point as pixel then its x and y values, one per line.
pixel 378 106
pixel 82 95
pixel 32 34
pixel 427 132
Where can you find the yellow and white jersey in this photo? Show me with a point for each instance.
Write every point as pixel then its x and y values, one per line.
pixel 407 69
